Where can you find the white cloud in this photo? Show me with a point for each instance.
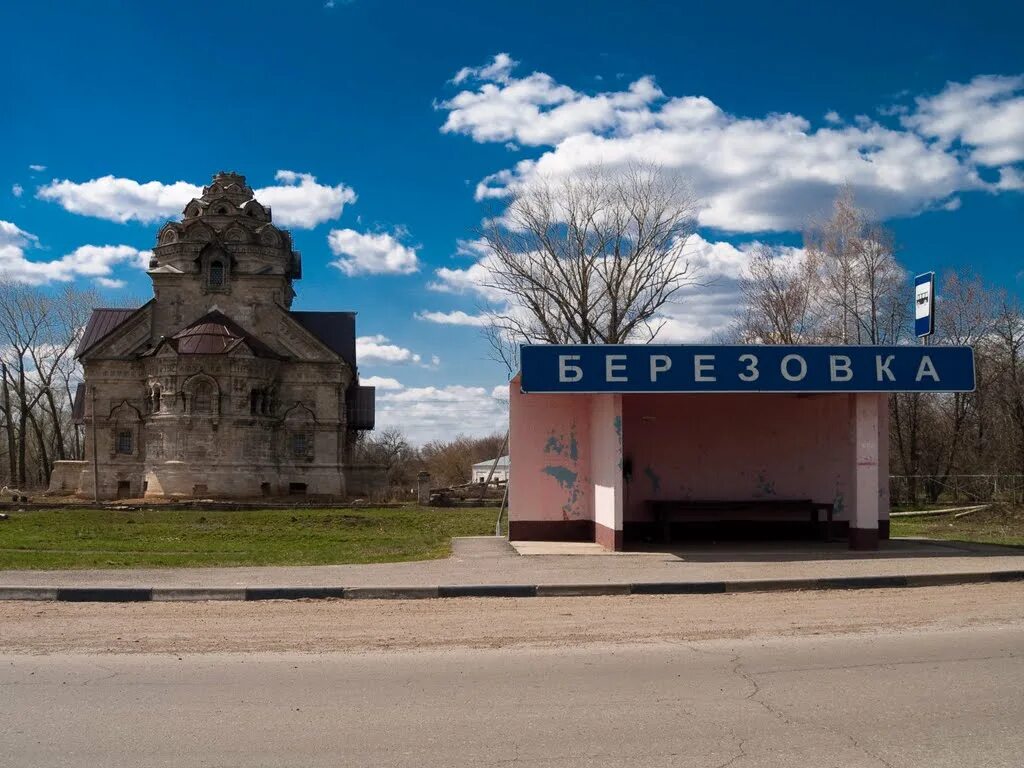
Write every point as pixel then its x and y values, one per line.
pixel 120 200
pixel 500 392
pixel 453 318
pixel 432 413
pixel 381 382
pixel 299 201
pixel 96 261
pixel 767 173
pixel 986 114
pixel 37 168
pixel 833 117
pixel 17 190
pixel 109 282
pixel 303 203
pixel 13 235
pixel 371 254
pixel 535 110
pixel 497 70
pixel 1010 179
pixel 379 349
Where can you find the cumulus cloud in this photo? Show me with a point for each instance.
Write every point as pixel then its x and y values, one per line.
pixel 120 200
pixel 753 173
pixel 110 282
pixel 95 261
pixel 497 70
pixel 381 382
pixel 301 202
pixel 453 318
pixel 380 349
pixel 298 201
pixel 1010 179
pixel 986 115
pixel 17 190
pixel 430 413
pixel 371 254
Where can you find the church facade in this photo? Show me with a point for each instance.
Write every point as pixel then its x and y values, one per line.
pixel 216 387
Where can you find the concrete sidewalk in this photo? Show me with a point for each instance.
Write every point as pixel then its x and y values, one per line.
pixel 480 564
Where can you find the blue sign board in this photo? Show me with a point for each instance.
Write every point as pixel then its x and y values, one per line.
pixel 924 304
pixel 762 368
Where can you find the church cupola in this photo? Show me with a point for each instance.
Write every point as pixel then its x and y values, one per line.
pixel 226 236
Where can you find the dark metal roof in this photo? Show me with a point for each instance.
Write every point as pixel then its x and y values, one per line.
pixel 337 330
pixel 78 408
pixel 102 322
pixel 216 334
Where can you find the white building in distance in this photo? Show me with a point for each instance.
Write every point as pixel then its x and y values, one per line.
pixel 482 469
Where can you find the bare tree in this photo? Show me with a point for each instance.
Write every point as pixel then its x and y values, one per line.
pixel 39 330
pixel 780 293
pixel 590 259
pixel 863 285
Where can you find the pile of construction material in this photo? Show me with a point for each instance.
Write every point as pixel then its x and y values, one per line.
pixel 469 494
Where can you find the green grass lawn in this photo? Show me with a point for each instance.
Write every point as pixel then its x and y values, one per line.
pixel 95 538
pixel 999 524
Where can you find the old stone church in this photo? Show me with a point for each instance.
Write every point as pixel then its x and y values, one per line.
pixel 216 387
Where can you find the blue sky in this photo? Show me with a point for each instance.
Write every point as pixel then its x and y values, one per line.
pixel 386 117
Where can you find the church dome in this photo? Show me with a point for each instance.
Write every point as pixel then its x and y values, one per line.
pixel 229 216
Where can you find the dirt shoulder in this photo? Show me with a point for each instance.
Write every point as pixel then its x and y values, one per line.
pixel 357 625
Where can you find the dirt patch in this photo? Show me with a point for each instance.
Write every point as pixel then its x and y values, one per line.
pixel 357 625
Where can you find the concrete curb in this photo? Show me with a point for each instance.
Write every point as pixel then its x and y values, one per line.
pixel 157 594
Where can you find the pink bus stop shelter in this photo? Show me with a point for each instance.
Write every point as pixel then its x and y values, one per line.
pixel 598 432
pixel 569 453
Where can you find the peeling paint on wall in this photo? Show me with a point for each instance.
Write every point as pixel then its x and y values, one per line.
pixel 567 480
pixel 554 445
pixel 565 477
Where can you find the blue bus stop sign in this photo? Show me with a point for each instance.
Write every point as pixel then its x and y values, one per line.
pixel 924 304
pixel 749 368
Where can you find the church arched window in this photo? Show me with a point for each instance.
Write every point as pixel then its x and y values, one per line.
pixel 202 398
pixel 216 279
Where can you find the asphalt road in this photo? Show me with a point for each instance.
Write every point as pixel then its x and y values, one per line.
pixel 918 697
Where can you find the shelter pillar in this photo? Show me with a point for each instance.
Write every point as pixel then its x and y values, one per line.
pixel 884 500
pixel 867 475
pixel 606 469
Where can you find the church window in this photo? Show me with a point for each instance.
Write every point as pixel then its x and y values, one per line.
pixel 216 274
pixel 202 398
pixel 156 400
pixel 124 441
pixel 300 445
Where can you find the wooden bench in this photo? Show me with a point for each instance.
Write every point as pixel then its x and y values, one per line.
pixel 666 511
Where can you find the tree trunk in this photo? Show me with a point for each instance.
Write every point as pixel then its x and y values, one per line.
pixel 22 423
pixel 9 425
pixel 44 457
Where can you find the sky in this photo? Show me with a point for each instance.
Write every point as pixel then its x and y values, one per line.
pixel 383 133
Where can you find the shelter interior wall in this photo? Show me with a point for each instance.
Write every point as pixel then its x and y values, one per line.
pixel 736 447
